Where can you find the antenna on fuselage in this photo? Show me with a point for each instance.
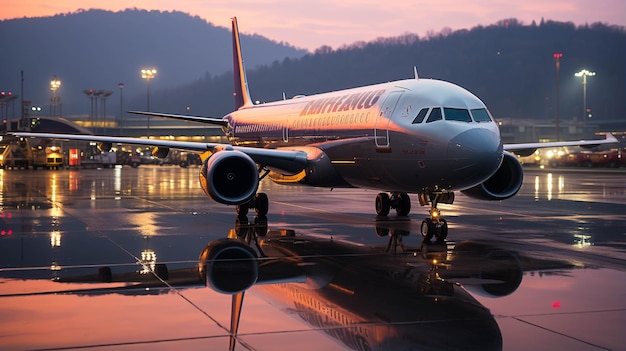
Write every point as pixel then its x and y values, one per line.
pixel 242 95
pixel 415 72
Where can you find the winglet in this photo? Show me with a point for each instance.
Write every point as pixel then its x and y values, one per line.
pixel 242 95
pixel 415 72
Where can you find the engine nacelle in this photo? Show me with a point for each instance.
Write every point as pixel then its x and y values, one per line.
pixel 229 177
pixel 505 183
pixel 160 152
pixel 499 272
pixel 105 147
pixel 228 266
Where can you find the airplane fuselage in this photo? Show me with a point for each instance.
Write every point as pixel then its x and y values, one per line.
pixel 409 136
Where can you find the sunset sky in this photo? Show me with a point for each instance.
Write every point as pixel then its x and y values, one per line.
pixel 315 23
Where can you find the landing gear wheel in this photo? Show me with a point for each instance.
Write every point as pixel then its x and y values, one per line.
pixel 383 204
pixel 260 225
pixel 427 229
pixel 442 231
pixel 403 205
pixel 382 231
pixel 242 210
pixel 261 204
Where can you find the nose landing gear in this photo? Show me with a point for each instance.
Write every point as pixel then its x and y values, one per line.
pixel 435 226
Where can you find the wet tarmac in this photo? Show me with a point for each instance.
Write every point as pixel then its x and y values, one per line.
pixel 108 259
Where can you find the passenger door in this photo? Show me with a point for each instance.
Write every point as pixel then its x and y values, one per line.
pixel 381 128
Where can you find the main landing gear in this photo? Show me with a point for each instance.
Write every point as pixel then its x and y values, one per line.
pixel 432 227
pixel 260 203
pixel 400 201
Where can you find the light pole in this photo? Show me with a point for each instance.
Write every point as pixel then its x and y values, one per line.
pixel 105 94
pixel 54 85
pixel 89 93
pixel 584 73
pixel 121 86
pixel 96 97
pixel 148 74
pixel 557 58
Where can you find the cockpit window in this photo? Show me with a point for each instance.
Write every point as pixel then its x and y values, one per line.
pixel 481 115
pixel 435 115
pixel 420 115
pixel 457 114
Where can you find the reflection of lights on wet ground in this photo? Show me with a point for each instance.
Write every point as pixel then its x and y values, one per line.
pixel 117 182
pixel 55 238
pixel 53 188
pixel 148 261
pixel 549 183
pixel 537 182
pixel 93 190
pixel 582 240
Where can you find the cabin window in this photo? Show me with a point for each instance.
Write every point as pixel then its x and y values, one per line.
pixel 435 115
pixel 457 114
pixel 481 115
pixel 421 115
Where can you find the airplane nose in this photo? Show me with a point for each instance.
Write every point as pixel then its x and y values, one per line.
pixel 476 153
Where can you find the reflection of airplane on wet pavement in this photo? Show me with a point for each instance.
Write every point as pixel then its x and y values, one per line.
pixel 421 136
pixel 364 297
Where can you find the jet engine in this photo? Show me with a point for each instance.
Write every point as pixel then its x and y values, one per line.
pixel 160 152
pixel 494 272
pixel 502 279
pixel 228 266
pixel 503 184
pixel 229 177
pixel 105 147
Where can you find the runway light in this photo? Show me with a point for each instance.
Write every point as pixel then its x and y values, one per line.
pixel 556 304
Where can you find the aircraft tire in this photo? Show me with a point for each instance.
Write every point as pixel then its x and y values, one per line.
pixel 427 229
pixel 442 232
pixel 383 204
pixel 242 209
pixel 261 204
pixel 404 204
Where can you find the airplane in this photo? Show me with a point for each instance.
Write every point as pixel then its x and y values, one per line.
pixel 422 136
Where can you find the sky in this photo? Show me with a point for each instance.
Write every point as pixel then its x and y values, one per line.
pixel 315 23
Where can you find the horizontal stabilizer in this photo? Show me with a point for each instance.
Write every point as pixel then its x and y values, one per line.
pixel 206 120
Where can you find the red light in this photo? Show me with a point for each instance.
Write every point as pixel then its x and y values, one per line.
pixel 556 304
pixel 557 55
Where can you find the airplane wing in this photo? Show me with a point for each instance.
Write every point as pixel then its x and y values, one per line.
pixel 207 120
pixel 529 148
pixel 290 161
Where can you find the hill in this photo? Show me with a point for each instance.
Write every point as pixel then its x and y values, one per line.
pixel 509 65
pixel 98 49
